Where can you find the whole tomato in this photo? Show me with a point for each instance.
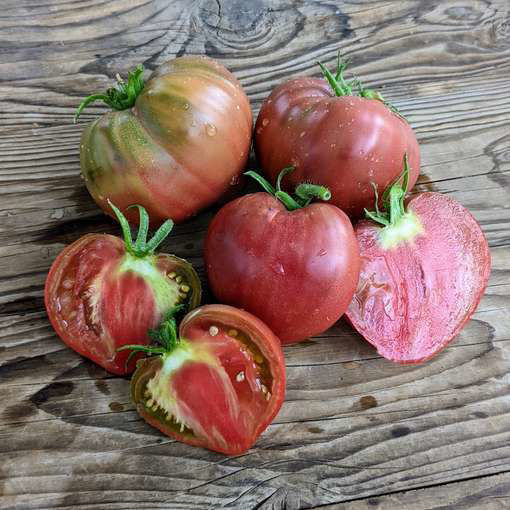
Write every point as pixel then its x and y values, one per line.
pixel 351 144
pixel 217 385
pixel 173 144
pixel 103 292
pixel 425 264
pixel 293 264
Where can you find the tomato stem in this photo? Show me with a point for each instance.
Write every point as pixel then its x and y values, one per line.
pixel 120 97
pixel 165 334
pixel 141 248
pixel 341 87
pixel 393 200
pixel 305 192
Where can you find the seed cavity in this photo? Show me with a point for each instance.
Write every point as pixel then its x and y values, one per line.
pixel 240 377
pixel 213 330
pixel 258 358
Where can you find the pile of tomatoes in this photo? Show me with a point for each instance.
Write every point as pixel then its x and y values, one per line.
pixel 285 263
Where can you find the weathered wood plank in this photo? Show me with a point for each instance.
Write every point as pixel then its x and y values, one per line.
pixel 353 427
pixel 487 493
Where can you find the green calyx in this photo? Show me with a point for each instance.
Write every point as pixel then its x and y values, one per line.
pixel 399 224
pixel 141 247
pixel 120 97
pixel 304 192
pixel 342 87
pixel 164 336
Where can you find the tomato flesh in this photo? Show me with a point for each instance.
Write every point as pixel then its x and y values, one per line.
pixel 220 388
pixel 99 297
pixel 415 294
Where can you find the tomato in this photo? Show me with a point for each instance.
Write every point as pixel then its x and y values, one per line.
pixel 348 143
pixel 294 269
pixel 218 385
pixel 103 292
pixel 173 145
pixel 423 273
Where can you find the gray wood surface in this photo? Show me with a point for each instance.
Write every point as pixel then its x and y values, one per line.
pixel 355 431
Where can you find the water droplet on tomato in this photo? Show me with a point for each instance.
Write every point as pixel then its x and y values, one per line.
pixel 238 107
pixel 186 106
pixel 322 252
pixel 265 122
pixel 278 268
pixel 303 133
pixel 234 180
pixel 210 129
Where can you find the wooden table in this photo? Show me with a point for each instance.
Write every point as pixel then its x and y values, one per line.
pixel 355 431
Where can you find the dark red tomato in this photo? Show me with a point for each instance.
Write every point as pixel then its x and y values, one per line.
pixel 296 270
pixel 175 143
pixel 103 292
pixel 421 278
pixel 347 143
pixel 219 385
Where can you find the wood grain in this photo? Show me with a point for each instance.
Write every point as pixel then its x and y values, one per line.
pixel 355 431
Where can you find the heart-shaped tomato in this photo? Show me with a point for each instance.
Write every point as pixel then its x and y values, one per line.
pixel 103 292
pixel 424 267
pixel 295 269
pixel 218 385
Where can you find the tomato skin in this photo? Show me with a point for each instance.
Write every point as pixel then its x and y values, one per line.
pixel 413 299
pixel 297 271
pixel 99 298
pixel 227 414
pixel 344 143
pixel 177 150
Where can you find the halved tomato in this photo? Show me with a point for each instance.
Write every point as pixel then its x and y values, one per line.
pixel 218 385
pixel 103 292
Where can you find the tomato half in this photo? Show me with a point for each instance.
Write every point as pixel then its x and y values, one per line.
pixel 347 143
pixel 422 277
pixel 296 270
pixel 101 294
pixel 218 385
pixel 175 144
